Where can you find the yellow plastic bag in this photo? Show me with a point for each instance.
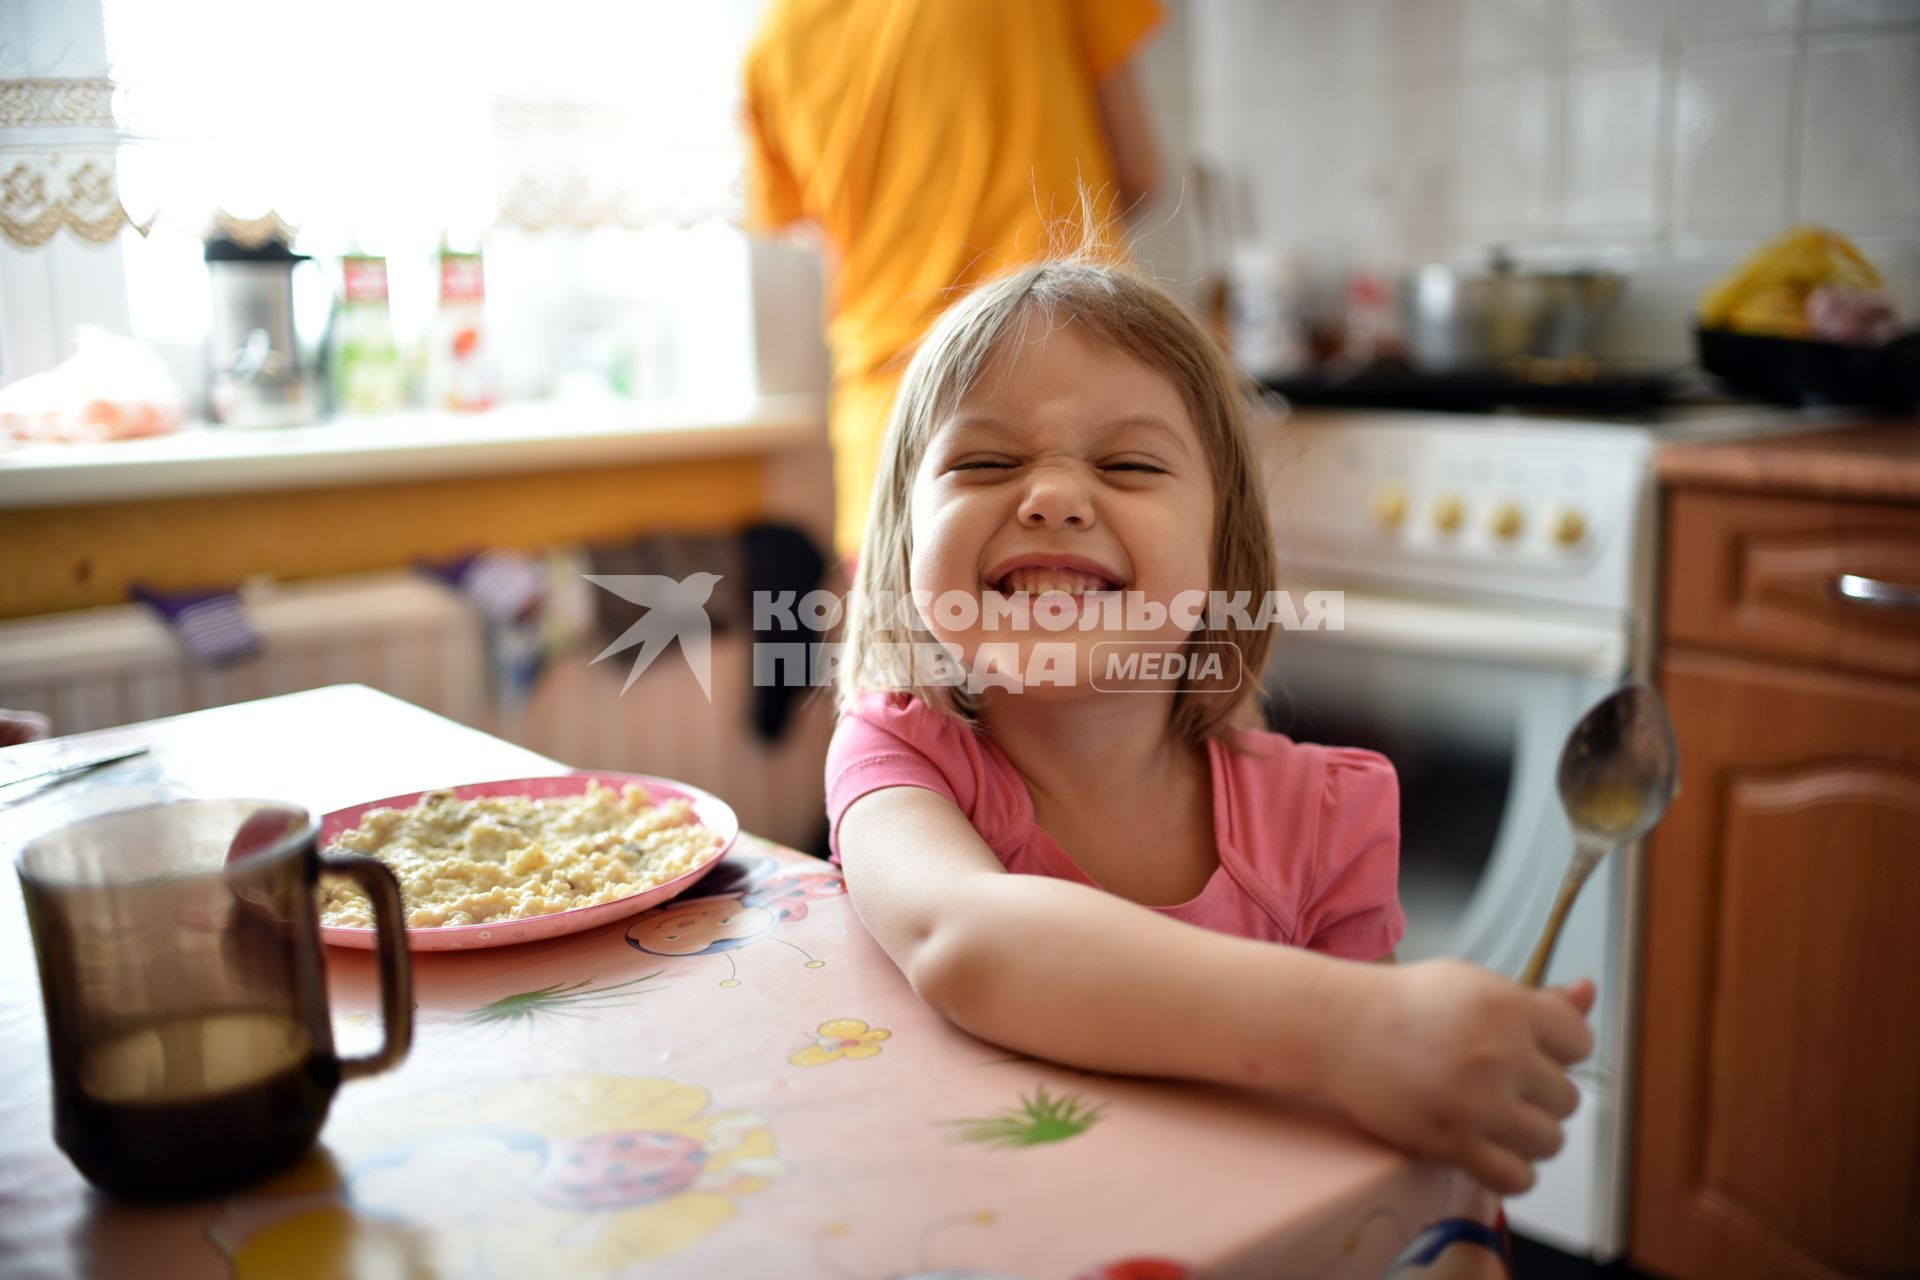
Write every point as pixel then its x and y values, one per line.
pixel 1767 294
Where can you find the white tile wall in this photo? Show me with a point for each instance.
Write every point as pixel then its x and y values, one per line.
pixel 1824 15
pixel 1612 141
pixel 1860 145
pixel 1594 25
pixel 1505 151
pixel 1733 133
pixel 1719 19
pixel 1506 30
pixel 1422 34
pixel 1674 134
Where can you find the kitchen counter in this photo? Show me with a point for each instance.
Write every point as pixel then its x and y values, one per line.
pixel 1875 460
pixel 544 435
pixel 213 506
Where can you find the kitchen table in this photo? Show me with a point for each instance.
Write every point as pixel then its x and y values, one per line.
pixel 735 1084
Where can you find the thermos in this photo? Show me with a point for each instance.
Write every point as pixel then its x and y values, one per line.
pixel 257 379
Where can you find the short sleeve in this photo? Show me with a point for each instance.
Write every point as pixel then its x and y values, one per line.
pixel 865 757
pixel 773 193
pixel 1353 909
pixel 1111 31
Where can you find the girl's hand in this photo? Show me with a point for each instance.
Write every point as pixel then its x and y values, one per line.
pixel 1460 1065
pixel 23 726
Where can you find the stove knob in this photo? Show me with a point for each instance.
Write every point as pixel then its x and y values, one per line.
pixel 1448 513
pixel 1389 506
pixel 1507 521
pixel 1569 528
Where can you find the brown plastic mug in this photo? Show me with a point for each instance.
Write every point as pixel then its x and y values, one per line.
pixel 186 999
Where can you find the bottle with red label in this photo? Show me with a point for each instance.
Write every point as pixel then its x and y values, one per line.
pixel 459 369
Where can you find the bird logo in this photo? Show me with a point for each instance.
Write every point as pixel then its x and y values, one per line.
pixel 675 609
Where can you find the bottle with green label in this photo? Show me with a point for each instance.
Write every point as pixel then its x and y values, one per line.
pixel 368 375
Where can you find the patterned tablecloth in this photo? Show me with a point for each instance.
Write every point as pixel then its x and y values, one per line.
pixel 734 1084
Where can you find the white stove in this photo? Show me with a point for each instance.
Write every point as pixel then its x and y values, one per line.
pixel 1499 579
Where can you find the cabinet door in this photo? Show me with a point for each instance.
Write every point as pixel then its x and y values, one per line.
pixel 1777 1129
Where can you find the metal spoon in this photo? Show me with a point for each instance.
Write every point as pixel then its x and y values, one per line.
pixel 66 771
pixel 1618 773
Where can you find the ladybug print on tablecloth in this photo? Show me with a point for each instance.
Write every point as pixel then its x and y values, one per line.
pixel 789 892
pixel 1139 1269
pixel 619 1170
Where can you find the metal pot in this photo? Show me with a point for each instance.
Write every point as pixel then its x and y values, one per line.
pixel 1458 318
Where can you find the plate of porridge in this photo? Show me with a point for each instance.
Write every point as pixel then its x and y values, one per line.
pixel 494 863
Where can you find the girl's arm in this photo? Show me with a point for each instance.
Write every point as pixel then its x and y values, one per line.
pixel 1127 123
pixel 1441 1058
pixel 1068 972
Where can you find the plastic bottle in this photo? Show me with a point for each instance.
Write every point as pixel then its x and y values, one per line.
pixel 459 368
pixel 368 376
pixel 1263 297
pixel 1372 318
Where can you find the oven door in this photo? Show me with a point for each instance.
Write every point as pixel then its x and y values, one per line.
pixel 1472 704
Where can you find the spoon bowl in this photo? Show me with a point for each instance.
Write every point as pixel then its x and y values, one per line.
pixel 1619 768
pixel 1618 773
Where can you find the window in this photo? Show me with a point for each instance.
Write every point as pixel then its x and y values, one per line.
pixel 590 146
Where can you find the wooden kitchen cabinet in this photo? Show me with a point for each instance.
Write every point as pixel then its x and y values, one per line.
pixel 1777 1113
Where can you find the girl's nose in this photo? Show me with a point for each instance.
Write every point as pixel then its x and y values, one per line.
pixel 1056 497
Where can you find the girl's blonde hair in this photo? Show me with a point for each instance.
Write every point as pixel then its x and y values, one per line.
pixel 1139 319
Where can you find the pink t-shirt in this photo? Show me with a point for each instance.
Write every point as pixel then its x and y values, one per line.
pixel 1309 836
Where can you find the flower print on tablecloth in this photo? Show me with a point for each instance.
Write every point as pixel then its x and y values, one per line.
pixel 739 903
pixel 522 1010
pixel 576 1175
pixel 1040 1118
pixel 567 1000
pixel 841 1038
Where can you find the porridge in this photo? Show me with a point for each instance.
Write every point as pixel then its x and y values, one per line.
pixel 499 858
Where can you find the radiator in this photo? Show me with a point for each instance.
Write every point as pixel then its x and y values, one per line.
pixel 417 640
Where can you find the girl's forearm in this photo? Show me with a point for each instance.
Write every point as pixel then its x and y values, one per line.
pixel 1063 971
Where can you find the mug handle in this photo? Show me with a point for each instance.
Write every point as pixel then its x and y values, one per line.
pixel 396 973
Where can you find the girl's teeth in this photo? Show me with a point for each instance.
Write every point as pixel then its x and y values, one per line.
pixel 1051 582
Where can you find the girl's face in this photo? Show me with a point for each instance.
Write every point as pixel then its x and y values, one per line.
pixel 1072 472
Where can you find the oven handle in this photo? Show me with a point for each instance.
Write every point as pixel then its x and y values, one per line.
pixel 1479 633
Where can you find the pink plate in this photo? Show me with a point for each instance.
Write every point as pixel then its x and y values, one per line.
pixel 711 811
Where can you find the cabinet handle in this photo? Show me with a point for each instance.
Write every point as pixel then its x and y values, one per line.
pixel 1872 591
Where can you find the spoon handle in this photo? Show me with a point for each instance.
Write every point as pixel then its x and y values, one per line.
pixel 1585 859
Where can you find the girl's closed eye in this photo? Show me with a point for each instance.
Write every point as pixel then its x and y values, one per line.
pixel 1138 466
pixel 983 464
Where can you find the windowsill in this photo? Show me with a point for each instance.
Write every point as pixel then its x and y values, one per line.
pixel 529 436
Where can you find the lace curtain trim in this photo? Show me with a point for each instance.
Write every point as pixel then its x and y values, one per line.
pixel 67 181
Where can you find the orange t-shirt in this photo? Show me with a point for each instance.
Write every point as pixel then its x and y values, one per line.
pixel 933 141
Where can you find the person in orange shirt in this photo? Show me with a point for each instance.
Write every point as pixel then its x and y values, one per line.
pixel 936 144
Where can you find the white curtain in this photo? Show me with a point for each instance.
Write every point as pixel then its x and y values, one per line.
pixel 591 147
pixel 389 120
